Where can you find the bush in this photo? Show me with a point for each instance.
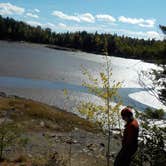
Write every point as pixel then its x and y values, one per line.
pixel 152 143
pixel 151 149
pixel 9 133
pixel 154 114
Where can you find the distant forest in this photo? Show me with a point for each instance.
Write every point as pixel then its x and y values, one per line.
pixel 148 50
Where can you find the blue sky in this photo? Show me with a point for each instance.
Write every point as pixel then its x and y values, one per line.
pixel 134 18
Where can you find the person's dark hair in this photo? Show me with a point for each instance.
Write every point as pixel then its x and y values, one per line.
pixel 126 112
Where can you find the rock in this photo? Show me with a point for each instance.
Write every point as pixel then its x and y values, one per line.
pixel 2 120
pixel 30 155
pixel 113 154
pixel 84 150
pixel 14 96
pixel 70 141
pixel 76 129
pixel 5 120
pixel 90 154
pixel 52 135
pixel 2 94
pixel 54 156
pixel 19 158
pixel 91 147
pixel 102 144
pixel 42 124
pixel 116 136
pixel 102 147
pixel 75 141
pixel 32 120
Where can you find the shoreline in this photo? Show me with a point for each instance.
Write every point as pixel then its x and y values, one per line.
pixel 50 129
pixel 56 47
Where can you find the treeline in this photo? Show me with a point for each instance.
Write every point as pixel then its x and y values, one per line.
pixel 89 42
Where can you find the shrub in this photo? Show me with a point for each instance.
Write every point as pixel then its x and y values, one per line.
pixel 8 136
pixel 154 114
pixel 152 145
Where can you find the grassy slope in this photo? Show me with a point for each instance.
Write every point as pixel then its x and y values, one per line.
pixel 29 114
pixel 25 109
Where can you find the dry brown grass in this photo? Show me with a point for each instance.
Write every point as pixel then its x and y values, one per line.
pixel 26 109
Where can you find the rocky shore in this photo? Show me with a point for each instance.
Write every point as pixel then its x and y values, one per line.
pixel 48 136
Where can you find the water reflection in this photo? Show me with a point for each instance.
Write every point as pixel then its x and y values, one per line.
pixel 24 83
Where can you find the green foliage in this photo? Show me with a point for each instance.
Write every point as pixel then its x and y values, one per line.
pixel 149 50
pixel 159 75
pixel 163 28
pixel 154 114
pixel 151 149
pixel 8 135
pixel 107 114
pixel 159 80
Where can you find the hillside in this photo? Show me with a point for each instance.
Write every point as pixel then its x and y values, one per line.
pixel 47 135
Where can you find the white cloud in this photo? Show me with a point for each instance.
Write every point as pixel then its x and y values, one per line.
pixel 34 23
pixel 81 28
pixel 54 27
pixel 9 9
pixel 87 17
pixel 105 17
pixel 50 25
pixel 139 21
pixel 130 20
pixel 37 10
pixel 65 16
pixel 134 34
pixel 139 34
pixel 61 25
pixel 148 23
pixel 154 35
pixel 32 15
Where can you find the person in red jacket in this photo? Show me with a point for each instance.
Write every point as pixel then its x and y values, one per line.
pixel 129 140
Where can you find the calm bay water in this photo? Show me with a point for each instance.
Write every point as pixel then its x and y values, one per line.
pixel 34 71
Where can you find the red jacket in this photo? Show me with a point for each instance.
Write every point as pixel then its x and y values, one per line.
pixel 130 135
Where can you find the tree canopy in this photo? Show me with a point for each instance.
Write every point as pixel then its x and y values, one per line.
pixel 149 50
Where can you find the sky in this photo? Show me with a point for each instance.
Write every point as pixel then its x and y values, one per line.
pixel 133 18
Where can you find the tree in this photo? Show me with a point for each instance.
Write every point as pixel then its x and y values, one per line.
pixel 160 75
pixel 163 28
pixel 148 50
pixel 107 115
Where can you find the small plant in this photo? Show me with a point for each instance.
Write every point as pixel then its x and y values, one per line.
pixel 8 136
pixel 57 160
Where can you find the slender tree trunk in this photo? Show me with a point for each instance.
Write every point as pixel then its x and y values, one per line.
pixel 70 148
pixel 109 134
pixel 108 114
pixel 1 148
pixel 108 148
